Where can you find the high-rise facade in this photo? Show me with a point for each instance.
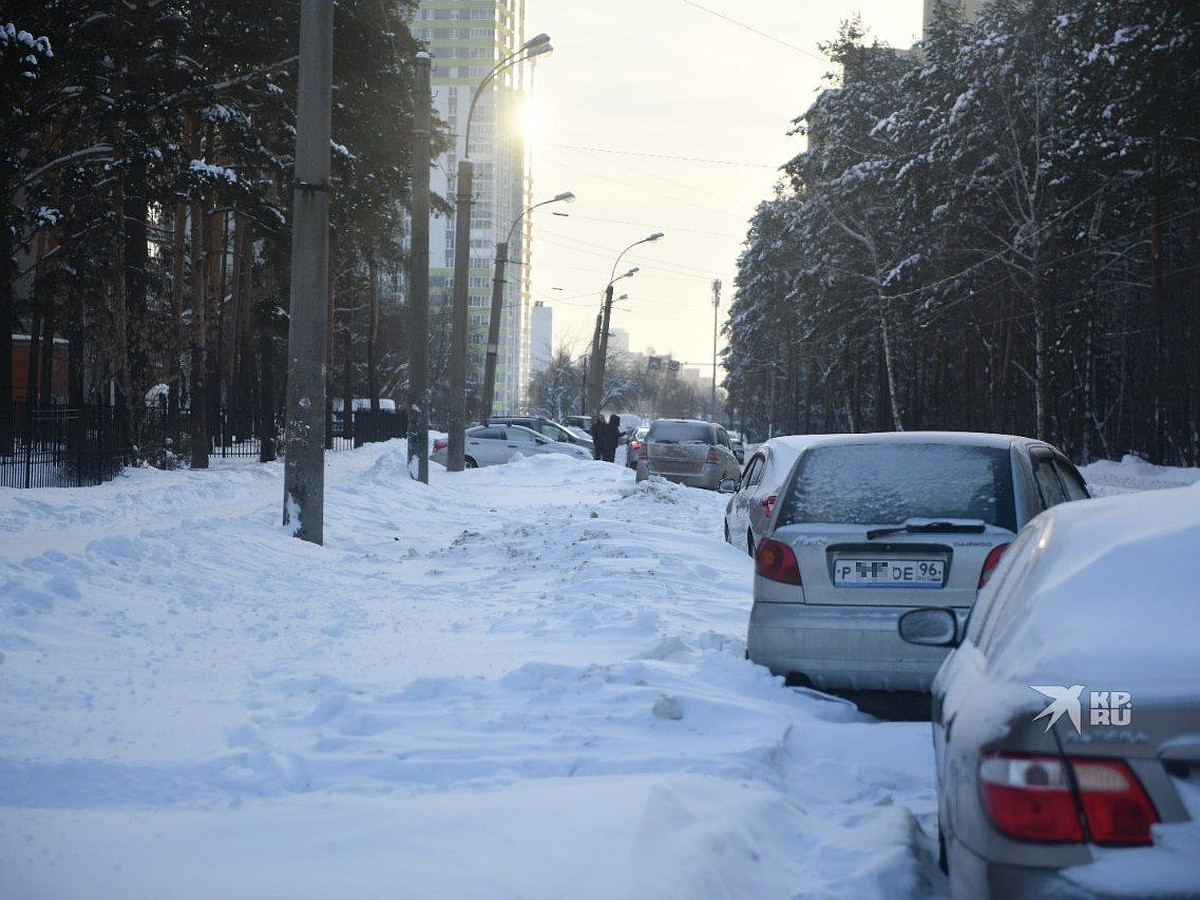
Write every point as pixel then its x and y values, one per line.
pixel 467 38
pixel 541 337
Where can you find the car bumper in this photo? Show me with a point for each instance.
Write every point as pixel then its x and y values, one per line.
pixel 708 479
pixel 840 647
pixel 973 876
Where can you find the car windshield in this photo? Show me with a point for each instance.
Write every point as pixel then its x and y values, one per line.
pixel 680 433
pixel 889 483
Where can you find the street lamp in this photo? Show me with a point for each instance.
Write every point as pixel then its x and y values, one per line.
pixel 457 418
pixel 493 345
pixel 600 338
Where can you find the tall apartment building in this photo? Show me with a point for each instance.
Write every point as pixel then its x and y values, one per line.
pixel 541 337
pixel 467 38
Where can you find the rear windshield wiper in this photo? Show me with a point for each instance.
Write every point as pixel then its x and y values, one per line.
pixel 928 528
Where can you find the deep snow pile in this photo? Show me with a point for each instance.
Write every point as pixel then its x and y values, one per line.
pixel 522 681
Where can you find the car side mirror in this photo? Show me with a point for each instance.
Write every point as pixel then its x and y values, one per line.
pixel 728 486
pixel 929 626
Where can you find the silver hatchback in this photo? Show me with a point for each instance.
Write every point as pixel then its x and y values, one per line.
pixel 691 452
pixel 869 526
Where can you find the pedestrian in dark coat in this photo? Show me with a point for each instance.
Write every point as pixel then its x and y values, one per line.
pixel 599 436
pixel 613 438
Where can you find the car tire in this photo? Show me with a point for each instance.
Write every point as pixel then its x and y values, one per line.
pixel 469 463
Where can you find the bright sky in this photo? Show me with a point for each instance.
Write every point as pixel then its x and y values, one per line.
pixel 665 115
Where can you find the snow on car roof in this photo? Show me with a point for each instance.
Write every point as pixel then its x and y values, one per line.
pixel 972 438
pixel 1112 603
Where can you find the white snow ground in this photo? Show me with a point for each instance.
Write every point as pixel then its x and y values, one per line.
pixel 518 682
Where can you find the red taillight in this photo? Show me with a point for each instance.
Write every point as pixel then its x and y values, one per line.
pixel 1030 798
pixel 1033 798
pixel 440 445
pixel 989 564
pixel 1115 805
pixel 768 505
pixel 643 451
pixel 713 455
pixel 775 561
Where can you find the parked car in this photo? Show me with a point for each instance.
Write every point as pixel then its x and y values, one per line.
pixel 691 452
pixel 869 526
pixel 738 445
pixel 1067 723
pixel 634 446
pixel 547 428
pixel 754 497
pixel 490 445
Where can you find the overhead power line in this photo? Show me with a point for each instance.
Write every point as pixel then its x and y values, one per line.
pixel 753 30
pixel 695 159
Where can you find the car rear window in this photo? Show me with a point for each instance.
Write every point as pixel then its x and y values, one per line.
pixel 680 433
pixel 888 483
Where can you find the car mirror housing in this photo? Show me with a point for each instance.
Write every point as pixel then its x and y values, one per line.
pixel 728 486
pixel 929 626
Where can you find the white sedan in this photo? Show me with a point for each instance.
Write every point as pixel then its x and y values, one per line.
pixel 493 445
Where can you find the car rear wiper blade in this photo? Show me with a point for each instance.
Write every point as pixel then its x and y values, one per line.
pixel 940 527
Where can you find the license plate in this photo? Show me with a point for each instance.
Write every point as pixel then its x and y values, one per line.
pixel 926 573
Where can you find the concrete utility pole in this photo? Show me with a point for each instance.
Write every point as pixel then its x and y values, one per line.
pixel 418 332
pixel 457 419
pixel 304 418
pixel 600 339
pixel 493 345
pixel 716 286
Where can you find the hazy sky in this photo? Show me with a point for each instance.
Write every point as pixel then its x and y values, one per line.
pixel 635 93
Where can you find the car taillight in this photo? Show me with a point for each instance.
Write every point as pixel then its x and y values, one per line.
pixel 1115 805
pixel 768 505
pixel 440 445
pixel 989 564
pixel 775 561
pixel 643 451
pixel 713 455
pixel 1033 798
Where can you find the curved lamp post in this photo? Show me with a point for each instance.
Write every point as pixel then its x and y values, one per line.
pixel 457 418
pixel 493 344
pixel 600 338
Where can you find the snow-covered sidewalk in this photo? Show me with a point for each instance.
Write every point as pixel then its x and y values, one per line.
pixel 523 681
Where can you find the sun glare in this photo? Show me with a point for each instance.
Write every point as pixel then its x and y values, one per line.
pixel 533 122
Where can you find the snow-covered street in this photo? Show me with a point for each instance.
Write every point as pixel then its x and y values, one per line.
pixel 523 681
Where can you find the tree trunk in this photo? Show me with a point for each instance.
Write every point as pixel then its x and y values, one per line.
pixel 373 328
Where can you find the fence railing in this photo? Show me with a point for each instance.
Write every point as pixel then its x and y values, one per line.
pixel 59 446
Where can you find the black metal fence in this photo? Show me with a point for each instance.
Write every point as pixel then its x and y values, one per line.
pixel 61 446
pixel 58 446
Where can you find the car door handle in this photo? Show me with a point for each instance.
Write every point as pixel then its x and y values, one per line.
pixel 512 446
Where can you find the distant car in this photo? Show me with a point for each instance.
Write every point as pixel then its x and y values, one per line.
pixel 738 445
pixel 491 445
pixel 633 448
pixel 753 499
pixel 869 526
pixel 691 452
pixel 545 427
pixel 1067 723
